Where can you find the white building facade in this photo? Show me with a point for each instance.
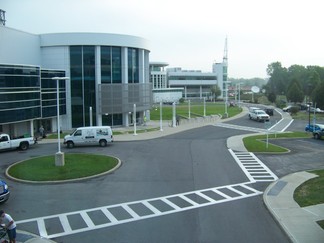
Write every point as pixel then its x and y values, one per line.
pixel 108 74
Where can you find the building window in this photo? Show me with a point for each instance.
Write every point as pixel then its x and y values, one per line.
pixel 19 93
pixel 82 64
pixel 111 68
pixel 116 65
pixel 133 69
pixel 49 93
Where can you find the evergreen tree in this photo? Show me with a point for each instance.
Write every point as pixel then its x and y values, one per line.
pixel 294 92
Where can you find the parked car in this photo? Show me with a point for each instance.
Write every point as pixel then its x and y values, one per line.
pixel 96 135
pixel 312 128
pixel 316 110
pixel 269 111
pixel 251 109
pixel 290 107
pixel 259 115
pixel 319 133
pixel 4 191
pixel 22 142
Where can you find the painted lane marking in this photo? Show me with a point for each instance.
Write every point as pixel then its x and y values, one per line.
pixel 210 196
pixel 253 168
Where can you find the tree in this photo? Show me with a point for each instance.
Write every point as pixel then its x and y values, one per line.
pixel 215 90
pixel 271 97
pixel 317 95
pixel 294 92
pixel 278 80
pixel 313 81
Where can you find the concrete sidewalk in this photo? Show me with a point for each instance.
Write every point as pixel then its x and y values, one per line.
pixel 299 223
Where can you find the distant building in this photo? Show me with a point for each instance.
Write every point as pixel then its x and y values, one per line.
pixel 161 89
pixel 220 69
pixel 196 84
pixel 172 84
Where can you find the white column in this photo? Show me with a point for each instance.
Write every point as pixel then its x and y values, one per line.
pixel 173 115
pixel 189 109
pixel 204 106
pixel 161 129
pixel 134 119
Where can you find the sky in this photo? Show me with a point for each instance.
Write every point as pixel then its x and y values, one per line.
pixel 191 34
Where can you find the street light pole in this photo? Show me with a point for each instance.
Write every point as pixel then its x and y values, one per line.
pixel 59 156
pixel 161 129
pixel 134 119
pixel 226 98
pixel 204 106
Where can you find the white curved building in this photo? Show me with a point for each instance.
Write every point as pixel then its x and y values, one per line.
pixel 108 74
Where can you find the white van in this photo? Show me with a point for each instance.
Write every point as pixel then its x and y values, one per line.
pixel 97 135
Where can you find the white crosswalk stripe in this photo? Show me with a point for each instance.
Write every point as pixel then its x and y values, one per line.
pixel 237 127
pixel 254 169
pixel 138 210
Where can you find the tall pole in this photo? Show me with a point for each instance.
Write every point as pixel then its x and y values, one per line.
pixel 173 115
pixel 58 114
pixel 189 109
pixel 134 119
pixel 59 156
pixel 161 129
pixel 226 98
pixel 90 115
pixel 239 95
pixel 204 106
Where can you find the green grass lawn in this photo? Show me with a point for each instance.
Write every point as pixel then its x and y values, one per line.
pixel 311 192
pixel 258 143
pixel 76 166
pixel 196 110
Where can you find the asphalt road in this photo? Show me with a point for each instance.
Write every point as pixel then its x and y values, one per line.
pixel 184 162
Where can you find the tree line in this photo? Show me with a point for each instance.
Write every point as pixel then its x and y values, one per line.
pixel 296 83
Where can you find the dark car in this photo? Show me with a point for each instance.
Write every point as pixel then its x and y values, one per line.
pixel 269 111
pixel 313 128
pixel 4 191
pixel 319 133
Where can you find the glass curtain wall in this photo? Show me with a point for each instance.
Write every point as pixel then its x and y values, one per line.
pixel 111 73
pixel 82 63
pixel 49 92
pixel 111 67
pixel 133 69
pixel 19 93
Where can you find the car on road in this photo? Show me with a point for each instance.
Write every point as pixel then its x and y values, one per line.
pixel 95 135
pixel 269 111
pixel 22 142
pixel 4 191
pixel 320 132
pixel 259 115
pixel 251 109
pixel 312 127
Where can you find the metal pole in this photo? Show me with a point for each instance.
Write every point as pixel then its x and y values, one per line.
pixel 189 109
pixel 59 156
pixel 173 115
pixel 58 114
pixel 134 119
pixel 226 87
pixel 239 95
pixel 204 106
pixel 90 115
pixel 161 129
